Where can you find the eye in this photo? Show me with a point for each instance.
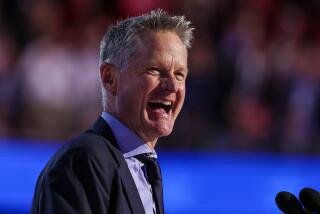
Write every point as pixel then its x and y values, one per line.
pixel 180 76
pixel 154 71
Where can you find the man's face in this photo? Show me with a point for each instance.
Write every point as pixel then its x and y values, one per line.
pixel 150 93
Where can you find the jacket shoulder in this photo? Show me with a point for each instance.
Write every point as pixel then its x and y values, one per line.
pixel 88 146
pixel 79 174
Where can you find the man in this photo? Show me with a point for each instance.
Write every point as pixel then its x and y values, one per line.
pixel 111 167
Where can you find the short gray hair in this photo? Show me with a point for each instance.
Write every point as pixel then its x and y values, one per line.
pixel 119 42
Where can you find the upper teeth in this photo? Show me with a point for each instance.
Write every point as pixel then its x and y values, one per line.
pixel 162 102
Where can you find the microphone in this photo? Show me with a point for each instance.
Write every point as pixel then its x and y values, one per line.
pixel 288 203
pixel 310 199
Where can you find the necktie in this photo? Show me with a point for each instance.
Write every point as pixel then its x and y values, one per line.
pixel 153 175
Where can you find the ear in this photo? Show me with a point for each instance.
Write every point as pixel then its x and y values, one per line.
pixel 108 75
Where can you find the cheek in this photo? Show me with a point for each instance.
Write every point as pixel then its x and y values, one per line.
pixel 180 99
pixel 140 92
pixel 148 86
pixel 128 97
pixel 182 94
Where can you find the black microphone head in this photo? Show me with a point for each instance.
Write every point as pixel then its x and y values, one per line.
pixel 288 203
pixel 310 199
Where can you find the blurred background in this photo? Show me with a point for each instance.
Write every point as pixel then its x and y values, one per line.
pixel 250 126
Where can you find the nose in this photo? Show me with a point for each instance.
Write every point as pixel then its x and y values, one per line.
pixel 170 84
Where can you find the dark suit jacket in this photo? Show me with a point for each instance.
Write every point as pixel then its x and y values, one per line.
pixel 87 175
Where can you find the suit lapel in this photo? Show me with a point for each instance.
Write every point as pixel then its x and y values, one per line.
pixel 131 189
pixel 100 127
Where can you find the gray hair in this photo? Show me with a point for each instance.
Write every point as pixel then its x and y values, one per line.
pixel 119 42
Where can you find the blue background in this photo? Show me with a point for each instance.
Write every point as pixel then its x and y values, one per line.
pixel 194 182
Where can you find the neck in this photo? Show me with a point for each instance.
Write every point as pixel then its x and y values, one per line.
pixel 152 144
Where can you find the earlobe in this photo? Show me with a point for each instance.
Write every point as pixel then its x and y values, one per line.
pixel 108 75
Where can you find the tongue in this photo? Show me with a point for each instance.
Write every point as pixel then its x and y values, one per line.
pixel 158 111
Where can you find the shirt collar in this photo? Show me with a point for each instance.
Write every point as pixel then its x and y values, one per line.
pixel 129 143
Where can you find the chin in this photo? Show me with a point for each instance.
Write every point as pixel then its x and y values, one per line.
pixel 163 131
pixel 160 128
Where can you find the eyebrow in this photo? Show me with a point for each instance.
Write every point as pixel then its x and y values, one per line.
pixel 159 64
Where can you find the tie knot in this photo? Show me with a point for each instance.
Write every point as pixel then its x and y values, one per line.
pixel 152 166
pixel 145 157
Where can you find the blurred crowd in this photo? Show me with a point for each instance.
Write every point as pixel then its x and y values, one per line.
pixel 254 71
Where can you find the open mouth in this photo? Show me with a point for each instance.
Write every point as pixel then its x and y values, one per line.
pixel 165 105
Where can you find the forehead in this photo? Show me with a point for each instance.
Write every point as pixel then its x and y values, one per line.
pixel 160 46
